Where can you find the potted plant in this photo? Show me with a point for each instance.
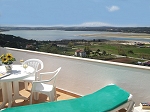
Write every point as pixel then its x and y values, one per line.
pixel 7 59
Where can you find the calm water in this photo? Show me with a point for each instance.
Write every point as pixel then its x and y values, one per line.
pixel 55 35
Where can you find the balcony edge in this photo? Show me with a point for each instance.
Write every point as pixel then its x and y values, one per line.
pixel 83 59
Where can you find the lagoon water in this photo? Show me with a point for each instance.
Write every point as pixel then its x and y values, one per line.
pixel 55 35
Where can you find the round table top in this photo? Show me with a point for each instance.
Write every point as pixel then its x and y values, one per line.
pixel 17 73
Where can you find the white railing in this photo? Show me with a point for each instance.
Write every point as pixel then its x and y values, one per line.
pixel 84 76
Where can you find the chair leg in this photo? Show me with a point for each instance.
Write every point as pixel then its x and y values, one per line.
pixel 31 97
pixel 55 95
pixel 26 85
pixel 51 97
pixel 36 95
pixel 131 106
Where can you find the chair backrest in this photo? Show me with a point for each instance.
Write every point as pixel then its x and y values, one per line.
pixel 37 64
pixel 50 77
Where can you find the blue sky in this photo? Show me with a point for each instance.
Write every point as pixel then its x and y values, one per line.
pixel 75 12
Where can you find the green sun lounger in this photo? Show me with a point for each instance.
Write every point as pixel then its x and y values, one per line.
pixel 109 98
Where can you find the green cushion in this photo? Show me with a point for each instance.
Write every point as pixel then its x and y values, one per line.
pixel 105 99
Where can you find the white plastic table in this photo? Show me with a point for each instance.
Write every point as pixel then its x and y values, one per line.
pixel 139 109
pixel 18 73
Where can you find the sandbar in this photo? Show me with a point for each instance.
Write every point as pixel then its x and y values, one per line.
pixel 114 34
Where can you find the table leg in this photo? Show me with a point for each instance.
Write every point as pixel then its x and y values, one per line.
pixel 16 92
pixel 4 93
pixel 36 95
pixel 9 93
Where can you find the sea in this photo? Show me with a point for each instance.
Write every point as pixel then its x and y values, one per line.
pixel 57 35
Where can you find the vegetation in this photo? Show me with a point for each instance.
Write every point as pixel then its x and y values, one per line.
pixel 95 49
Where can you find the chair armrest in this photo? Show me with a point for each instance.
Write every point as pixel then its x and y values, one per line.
pixel 44 73
pixel 42 81
pixel 56 71
pixel 39 70
pixel 47 73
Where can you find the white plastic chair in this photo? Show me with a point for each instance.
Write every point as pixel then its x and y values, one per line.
pixel 37 64
pixel 46 86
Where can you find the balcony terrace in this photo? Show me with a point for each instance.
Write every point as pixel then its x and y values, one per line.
pixel 82 76
pixel 61 95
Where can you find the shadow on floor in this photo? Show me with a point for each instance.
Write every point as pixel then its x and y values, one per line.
pixel 23 92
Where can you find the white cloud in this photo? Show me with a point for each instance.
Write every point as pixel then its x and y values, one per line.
pixel 113 8
pixel 96 24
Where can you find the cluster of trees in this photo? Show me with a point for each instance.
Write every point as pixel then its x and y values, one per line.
pixel 51 48
pixel 123 53
pixel 14 42
pixel 94 53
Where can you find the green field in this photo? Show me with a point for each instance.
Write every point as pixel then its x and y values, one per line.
pixel 108 50
pixel 141 52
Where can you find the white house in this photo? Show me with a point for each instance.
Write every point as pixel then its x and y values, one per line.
pixel 80 53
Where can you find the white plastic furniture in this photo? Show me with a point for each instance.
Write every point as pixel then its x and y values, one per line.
pixel 37 64
pixel 139 109
pixel 46 86
pixel 0 86
pixel 17 74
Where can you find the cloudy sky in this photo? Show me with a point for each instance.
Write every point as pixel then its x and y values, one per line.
pixel 75 12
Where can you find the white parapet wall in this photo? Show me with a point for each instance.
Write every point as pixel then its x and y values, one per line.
pixel 84 76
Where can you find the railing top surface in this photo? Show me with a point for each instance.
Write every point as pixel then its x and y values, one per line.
pixel 82 59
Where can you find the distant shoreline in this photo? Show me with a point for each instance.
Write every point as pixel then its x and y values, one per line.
pixel 112 34
pixel 86 35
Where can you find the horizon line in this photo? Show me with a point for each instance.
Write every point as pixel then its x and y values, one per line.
pixel 45 26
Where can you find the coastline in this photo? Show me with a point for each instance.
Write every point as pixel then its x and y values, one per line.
pixel 63 35
pixel 118 34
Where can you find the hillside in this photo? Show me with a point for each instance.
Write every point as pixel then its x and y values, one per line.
pixel 13 41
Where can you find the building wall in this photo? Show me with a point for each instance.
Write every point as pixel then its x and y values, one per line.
pixel 84 76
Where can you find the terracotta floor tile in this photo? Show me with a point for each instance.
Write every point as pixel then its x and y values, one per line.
pixel 42 97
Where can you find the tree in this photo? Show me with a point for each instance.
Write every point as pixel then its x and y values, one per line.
pixel 70 44
pixel 98 50
pixel 121 52
pixel 87 50
pixel 49 48
pixel 130 52
pixel 104 52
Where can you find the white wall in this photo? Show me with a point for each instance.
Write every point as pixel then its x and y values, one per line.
pixel 84 76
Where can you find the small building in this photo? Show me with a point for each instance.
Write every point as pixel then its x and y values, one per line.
pixel 80 53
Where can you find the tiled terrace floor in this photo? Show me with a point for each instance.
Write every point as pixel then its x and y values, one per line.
pixel 61 95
